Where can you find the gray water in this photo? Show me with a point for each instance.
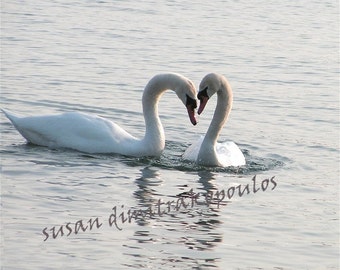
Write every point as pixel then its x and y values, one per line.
pixel 281 58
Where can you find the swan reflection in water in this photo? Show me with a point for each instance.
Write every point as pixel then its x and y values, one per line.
pixel 182 231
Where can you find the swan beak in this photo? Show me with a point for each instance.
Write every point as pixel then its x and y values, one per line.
pixel 191 105
pixel 203 102
pixel 191 113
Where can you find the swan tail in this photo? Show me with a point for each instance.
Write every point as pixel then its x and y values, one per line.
pixel 15 120
pixel 11 116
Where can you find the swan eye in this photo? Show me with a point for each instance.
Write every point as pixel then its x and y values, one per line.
pixel 191 102
pixel 203 94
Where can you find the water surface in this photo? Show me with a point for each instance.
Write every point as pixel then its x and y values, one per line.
pixel 96 56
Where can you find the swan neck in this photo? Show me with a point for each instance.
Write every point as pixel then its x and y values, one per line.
pixel 221 114
pixel 154 131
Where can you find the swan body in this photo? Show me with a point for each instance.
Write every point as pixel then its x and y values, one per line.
pixel 93 134
pixel 207 151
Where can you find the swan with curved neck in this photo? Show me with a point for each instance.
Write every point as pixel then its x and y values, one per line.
pixel 207 151
pixel 94 134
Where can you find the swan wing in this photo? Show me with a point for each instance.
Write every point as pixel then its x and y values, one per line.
pixel 191 153
pixel 229 154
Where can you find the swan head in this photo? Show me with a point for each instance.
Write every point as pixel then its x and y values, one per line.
pixel 186 92
pixel 182 86
pixel 209 85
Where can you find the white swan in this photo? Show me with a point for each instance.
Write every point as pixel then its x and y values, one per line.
pixel 207 151
pixel 94 134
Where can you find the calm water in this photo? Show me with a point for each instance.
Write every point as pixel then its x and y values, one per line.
pixel 281 59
